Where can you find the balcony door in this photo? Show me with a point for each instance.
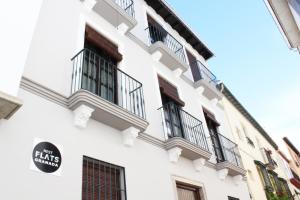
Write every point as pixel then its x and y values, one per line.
pixel 156 31
pixel 171 108
pixel 186 192
pixel 100 67
pixel 212 126
pixel 172 117
pixel 194 66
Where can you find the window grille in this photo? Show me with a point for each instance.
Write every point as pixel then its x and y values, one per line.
pixel 102 181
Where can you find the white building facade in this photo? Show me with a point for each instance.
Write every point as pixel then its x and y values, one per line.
pixel 118 104
pixel 14 50
pixel 286 14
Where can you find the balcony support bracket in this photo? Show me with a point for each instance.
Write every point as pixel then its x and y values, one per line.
pixel 156 56
pixel 200 90
pixel 222 174
pixel 129 136
pixel 177 72
pixel 214 101
pixel 122 28
pixel 198 164
pixel 237 179
pixel 82 115
pixel 174 154
pixel 89 4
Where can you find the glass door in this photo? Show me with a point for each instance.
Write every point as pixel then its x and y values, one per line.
pixel 99 73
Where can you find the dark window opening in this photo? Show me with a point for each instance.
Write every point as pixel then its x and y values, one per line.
pixel 102 181
pixel 194 66
pixel 171 106
pixel 156 31
pixel 212 126
pixel 99 73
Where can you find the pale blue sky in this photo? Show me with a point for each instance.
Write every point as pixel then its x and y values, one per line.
pixel 251 58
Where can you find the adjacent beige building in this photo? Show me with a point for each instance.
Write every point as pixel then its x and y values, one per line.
pixel 264 166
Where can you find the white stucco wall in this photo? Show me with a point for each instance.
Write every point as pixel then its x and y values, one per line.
pixel 17 19
pixel 59 36
pixel 295 8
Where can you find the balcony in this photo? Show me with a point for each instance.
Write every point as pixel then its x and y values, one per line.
pixel 204 78
pixel 295 180
pixel 184 134
pixel 120 13
pixel 170 52
pixel 8 105
pixel 271 165
pixel 227 156
pixel 105 93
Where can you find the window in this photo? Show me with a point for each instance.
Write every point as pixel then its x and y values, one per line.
pixel 99 73
pixel 232 198
pixel 263 173
pixel 171 106
pixel 270 161
pixel 213 125
pixel 239 133
pixel 188 192
pixel 249 140
pixel 102 181
pixel 275 182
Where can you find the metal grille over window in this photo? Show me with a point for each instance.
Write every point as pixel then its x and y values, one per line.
pixel 102 181
pixel 101 77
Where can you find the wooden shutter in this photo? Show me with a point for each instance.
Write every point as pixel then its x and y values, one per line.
pixel 210 116
pixel 169 90
pixel 103 43
pixel 194 66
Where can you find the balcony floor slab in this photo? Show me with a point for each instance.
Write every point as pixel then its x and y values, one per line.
pixel 114 14
pixel 189 150
pixel 8 105
pixel 168 57
pixel 106 112
pixel 233 170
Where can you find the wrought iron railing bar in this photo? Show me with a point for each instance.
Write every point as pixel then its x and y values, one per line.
pixel 191 127
pixel 129 5
pixel 155 34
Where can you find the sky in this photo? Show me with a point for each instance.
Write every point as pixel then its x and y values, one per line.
pixel 251 58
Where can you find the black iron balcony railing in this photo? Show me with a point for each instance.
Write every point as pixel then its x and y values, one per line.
pixel 126 5
pixel 101 77
pixel 156 34
pixel 225 149
pixel 201 72
pixel 179 123
pixel 271 162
